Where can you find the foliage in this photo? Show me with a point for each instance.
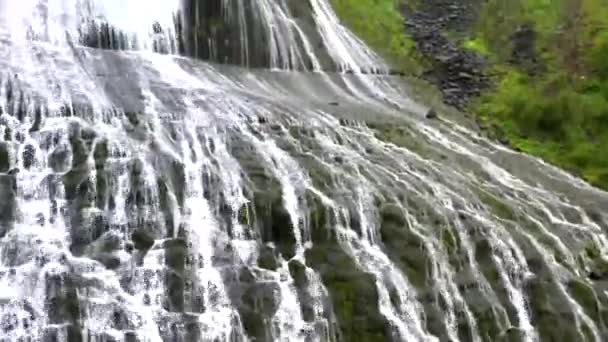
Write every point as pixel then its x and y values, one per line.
pixel 381 25
pixel 561 114
pixel 558 109
pixel 477 45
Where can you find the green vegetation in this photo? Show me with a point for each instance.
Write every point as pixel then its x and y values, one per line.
pixel 551 82
pixel 380 24
pixel 559 110
pixel 353 291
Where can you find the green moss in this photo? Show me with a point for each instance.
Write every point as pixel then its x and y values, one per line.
pixel 477 45
pixel 497 206
pixel 400 136
pixel 404 246
pixel 318 220
pixel 266 212
pixel 549 312
pixel 353 293
pixel 585 296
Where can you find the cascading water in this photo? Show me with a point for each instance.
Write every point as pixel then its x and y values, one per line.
pixel 254 196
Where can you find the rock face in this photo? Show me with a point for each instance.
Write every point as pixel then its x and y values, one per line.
pixel 253 34
pixel 458 73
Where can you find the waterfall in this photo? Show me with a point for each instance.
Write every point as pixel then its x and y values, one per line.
pixel 247 170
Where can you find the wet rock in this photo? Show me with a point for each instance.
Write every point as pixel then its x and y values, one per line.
pixel 275 221
pixel 131 336
pixel 268 258
pixel 256 326
pixel 5 162
pixel 353 294
pixel 58 159
pixel 298 272
pixel 513 334
pixel 243 215
pixel 599 269
pixel 176 251
pixel 263 298
pixel 457 72
pixel 431 114
pixel 404 246
pixel 174 292
pixel 8 205
pixel 276 128
pixel 103 250
pixel 29 156
pixel 133 118
pixel 62 303
pixel 142 239
pixel 318 219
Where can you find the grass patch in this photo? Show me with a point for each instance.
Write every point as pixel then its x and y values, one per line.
pixel 380 24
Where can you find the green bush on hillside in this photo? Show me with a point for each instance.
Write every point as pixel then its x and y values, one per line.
pixel 560 115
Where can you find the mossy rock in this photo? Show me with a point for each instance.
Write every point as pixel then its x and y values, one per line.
pixel 257 303
pixel 513 334
pixel 497 206
pixel 298 272
pixel 28 156
pixel 80 152
pixel 174 291
pixel 75 183
pixel 256 326
pixel 319 220
pixel 62 305
pixel 551 314
pixel 243 215
pixel 100 154
pixel 176 251
pixel 353 293
pixel 585 295
pixel 268 212
pixel 403 246
pixel 58 159
pixel 268 258
pixel 599 268
pixel 8 206
pixel 263 298
pixel 489 321
pixel 142 239
pixel 165 205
